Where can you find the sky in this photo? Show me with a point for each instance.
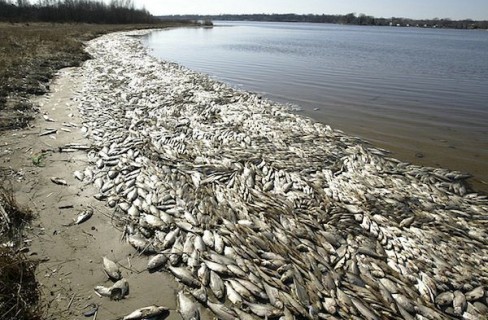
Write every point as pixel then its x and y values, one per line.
pixel 416 9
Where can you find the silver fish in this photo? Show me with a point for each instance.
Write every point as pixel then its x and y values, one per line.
pixel 232 295
pixel 119 289
pixel 459 302
pixel 475 294
pixel 79 175
pixel 185 276
pixel 204 274
pixel 111 269
pixel 187 307
pixel 103 291
pixel 273 295
pixel 208 238
pixel 156 261
pixel 59 181
pixel 146 312
pixel 254 289
pixel 82 216
pixel 264 310
pixel 244 315
pixel 216 284
pixel 217 267
pixel 365 311
pixel 222 312
pixel 200 294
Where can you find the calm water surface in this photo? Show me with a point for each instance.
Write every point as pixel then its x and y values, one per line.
pixel 420 93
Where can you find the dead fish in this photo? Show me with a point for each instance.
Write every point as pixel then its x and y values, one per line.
pixel 111 269
pixel 59 181
pixel 138 242
pixel 444 298
pixel 217 267
pixel 119 290
pixel 366 312
pixel 194 259
pixel 264 310
pixel 475 294
pixel 79 175
pixel 170 238
pixel 232 295
pixel 83 216
pixel 103 291
pixel 254 289
pixel 222 312
pixel 330 305
pixel 204 274
pixel 199 244
pixel 244 315
pixel 404 302
pixel 187 307
pixel 153 221
pixel 407 222
pixel 236 270
pixel 216 284
pixel 146 312
pixel 241 290
pixel 188 245
pixel 219 243
pixel 273 295
pixel 200 294
pixel 208 238
pixel 185 276
pixel 156 261
pixel 459 302
pixel 424 290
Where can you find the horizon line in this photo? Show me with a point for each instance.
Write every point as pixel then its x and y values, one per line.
pixel 318 14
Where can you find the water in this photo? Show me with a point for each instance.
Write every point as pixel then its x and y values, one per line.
pixel 420 93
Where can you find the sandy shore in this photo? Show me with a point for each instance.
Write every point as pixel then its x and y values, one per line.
pixel 198 144
pixel 71 256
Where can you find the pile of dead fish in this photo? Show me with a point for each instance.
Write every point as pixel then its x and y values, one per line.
pixel 262 213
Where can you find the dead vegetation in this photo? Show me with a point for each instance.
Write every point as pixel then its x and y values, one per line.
pixel 31 53
pixel 18 286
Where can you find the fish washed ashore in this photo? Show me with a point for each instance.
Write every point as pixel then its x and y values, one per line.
pixel 262 213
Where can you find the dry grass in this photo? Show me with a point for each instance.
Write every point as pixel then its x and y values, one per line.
pixel 18 286
pixel 30 54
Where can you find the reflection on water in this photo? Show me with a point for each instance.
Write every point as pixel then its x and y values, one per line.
pixel 421 93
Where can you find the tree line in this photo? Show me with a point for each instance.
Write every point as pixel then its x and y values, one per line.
pixel 86 11
pixel 350 18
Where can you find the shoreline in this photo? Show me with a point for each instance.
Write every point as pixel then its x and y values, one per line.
pixel 175 152
pixel 413 130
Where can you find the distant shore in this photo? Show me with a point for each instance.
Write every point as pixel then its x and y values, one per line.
pixel 349 19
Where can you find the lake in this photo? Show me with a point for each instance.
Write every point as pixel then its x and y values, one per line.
pixel 420 93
